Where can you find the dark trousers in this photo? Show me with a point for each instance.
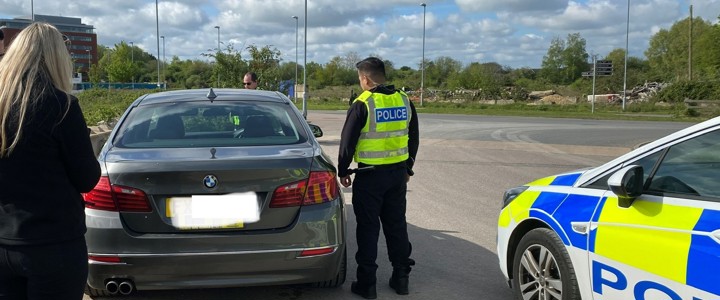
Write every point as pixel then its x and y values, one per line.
pixel 52 272
pixel 379 198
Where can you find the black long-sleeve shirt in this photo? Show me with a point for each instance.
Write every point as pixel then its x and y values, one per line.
pixel 356 117
pixel 41 181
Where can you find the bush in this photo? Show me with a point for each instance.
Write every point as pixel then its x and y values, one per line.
pixel 691 112
pixel 103 105
pixel 694 90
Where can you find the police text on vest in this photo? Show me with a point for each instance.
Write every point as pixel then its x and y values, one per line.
pixel 391 114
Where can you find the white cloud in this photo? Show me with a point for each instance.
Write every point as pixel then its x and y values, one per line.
pixel 707 9
pixel 510 32
pixel 516 6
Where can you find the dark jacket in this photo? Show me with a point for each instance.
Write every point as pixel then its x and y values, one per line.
pixel 357 117
pixel 41 181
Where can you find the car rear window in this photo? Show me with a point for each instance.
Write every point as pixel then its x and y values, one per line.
pixel 209 124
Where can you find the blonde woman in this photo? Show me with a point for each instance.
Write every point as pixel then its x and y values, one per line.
pixel 46 161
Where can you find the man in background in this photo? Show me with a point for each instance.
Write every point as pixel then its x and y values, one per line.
pixel 250 81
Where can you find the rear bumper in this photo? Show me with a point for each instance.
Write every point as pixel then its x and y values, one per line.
pixel 200 260
pixel 207 270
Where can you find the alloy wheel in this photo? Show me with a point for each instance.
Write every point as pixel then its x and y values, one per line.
pixel 539 274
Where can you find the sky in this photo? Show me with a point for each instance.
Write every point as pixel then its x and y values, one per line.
pixel 513 33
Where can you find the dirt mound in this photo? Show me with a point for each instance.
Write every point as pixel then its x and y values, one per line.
pixel 557 99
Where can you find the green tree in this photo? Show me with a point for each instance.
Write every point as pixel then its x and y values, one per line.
pixel 265 62
pixel 637 71
pixel 707 62
pixel 552 63
pixel 95 74
pixel 350 59
pixel 668 50
pixel 389 70
pixel 574 57
pixel 439 72
pixel 229 67
pixel 135 62
pixel 406 77
pixel 336 73
pixel 565 60
pixel 527 79
pixel 287 71
pixel 189 73
pixel 97 71
pixel 120 67
pixel 313 71
pixel 489 78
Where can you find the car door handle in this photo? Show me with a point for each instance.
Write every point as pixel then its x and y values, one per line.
pixel 580 227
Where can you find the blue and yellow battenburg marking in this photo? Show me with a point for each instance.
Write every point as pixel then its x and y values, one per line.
pixel 671 241
pixel 668 240
pixel 558 180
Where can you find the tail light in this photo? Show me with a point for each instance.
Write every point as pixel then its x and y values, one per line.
pixel 105 259
pixel 317 252
pixel 320 187
pixel 106 196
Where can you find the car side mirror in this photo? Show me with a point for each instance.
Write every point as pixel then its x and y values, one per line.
pixel 627 184
pixel 317 132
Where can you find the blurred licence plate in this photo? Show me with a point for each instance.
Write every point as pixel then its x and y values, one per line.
pixel 212 211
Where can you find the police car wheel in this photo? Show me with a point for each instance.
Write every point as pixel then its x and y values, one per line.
pixel 542 268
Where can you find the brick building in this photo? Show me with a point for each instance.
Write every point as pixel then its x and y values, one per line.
pixel 83 48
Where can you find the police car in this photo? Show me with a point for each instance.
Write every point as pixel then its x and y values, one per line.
pixel 643 226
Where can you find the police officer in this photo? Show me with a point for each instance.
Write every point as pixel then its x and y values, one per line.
pixel 380 132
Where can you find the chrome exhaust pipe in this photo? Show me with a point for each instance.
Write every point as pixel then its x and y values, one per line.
pixel 126 287
pixel 112 287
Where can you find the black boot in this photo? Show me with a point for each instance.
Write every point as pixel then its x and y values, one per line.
pixel 365 291
pixel 400 280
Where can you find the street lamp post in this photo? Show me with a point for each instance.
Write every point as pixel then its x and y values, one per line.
pixel 218 53
pixel 132 63
pixel 422 63
pixel 305 88
pixel 157 38
pixel 627 38
pixel 32 10
pixel 89 58
pixel 163 61
pixel 296 60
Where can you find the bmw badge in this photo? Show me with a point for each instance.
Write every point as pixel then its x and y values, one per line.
pixel 210 181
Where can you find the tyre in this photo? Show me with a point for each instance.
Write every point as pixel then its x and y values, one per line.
pixel 542 269
pixel 339 277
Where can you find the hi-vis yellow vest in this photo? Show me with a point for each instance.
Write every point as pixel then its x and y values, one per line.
pixel 384 139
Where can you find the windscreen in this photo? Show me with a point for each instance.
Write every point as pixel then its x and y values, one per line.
pixel 209 124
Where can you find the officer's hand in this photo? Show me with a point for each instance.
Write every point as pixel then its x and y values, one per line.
pixel 346 181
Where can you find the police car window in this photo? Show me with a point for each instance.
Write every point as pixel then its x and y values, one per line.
pixel 647 162
pixel 690 168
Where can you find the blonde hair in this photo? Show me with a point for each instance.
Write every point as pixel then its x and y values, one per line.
pixel 36 61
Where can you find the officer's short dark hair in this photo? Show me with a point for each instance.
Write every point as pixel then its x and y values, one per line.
pixel 372 67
